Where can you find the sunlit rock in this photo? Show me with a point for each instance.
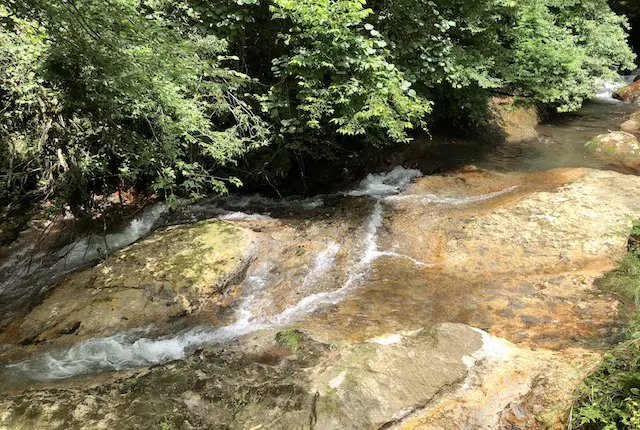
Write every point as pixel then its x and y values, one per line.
pixel 632 125
pixel 617 147
pixel 629 94
pixel 173 272
pixel 516 123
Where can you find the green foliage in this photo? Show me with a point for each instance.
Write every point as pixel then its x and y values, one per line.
pixel 631 9
pixel 291 339
pixel 625 281
pixel 610 397
pixel 165 425
pixel 336 72
pixel 168 96
pixel 141 101
pixel 27 108
pixel 546 51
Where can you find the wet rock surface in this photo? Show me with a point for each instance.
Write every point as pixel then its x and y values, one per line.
pixel 174 272
pixel 632 124
pixel 521 264
pixel 629 94
pixel 516 123
pixel 384 286
pixel 407 380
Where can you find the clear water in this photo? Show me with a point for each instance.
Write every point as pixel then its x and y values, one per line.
pixel 131 350
pixel 561 141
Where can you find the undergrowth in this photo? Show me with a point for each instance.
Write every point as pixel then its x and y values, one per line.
pixel 610 397
pixel 291 339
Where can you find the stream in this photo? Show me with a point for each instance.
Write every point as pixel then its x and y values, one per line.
pixel 337 278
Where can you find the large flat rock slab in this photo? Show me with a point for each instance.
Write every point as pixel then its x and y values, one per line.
pixel 173 272
pixel 448 376
pixel 517 255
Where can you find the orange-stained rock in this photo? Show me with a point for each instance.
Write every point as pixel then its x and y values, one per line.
pixel 629 94
pixel 632 125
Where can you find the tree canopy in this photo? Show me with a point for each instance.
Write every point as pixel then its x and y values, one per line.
pixel 169 95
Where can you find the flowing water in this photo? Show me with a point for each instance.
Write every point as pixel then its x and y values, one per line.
pixel 129 350
pixel 330 278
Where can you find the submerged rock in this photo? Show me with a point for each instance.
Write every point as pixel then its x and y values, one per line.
pixel 617 147
pixel 514 254
pixel 173 272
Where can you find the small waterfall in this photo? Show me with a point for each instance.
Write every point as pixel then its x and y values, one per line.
pixel 96 246
pixel 131 350
pixel 128 350
pixel 607 88
pixel 384 184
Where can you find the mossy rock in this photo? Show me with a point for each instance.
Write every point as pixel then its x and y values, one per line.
pixel 617 147
pixel 173 272
pixel 629 94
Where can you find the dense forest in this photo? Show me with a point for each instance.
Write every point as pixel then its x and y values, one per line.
pixel 185 98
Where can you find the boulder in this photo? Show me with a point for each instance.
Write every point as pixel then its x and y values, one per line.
pixel 629 94
pixel 617 147
pixel 632 125
pixel 517 124
pixel 173 272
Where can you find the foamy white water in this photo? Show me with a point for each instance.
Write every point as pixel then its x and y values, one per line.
pixel 402 257
pixel 128 350
pixel 247 201
pixel 321 265
pixel 124 351
pixel 121 351
pixel 243 216
pixel 89 248
pixel 95 246
pixel 384 184
pixel 607 88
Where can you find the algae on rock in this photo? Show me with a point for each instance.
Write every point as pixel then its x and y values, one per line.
pixel 173 272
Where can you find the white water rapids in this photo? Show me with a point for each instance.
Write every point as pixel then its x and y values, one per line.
pixel 607 88
pixel 74 255
pixel 130 350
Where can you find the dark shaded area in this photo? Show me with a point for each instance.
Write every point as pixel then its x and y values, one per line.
pixel 630 8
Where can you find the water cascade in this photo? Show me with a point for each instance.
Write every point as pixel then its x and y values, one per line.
pixel 132 349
